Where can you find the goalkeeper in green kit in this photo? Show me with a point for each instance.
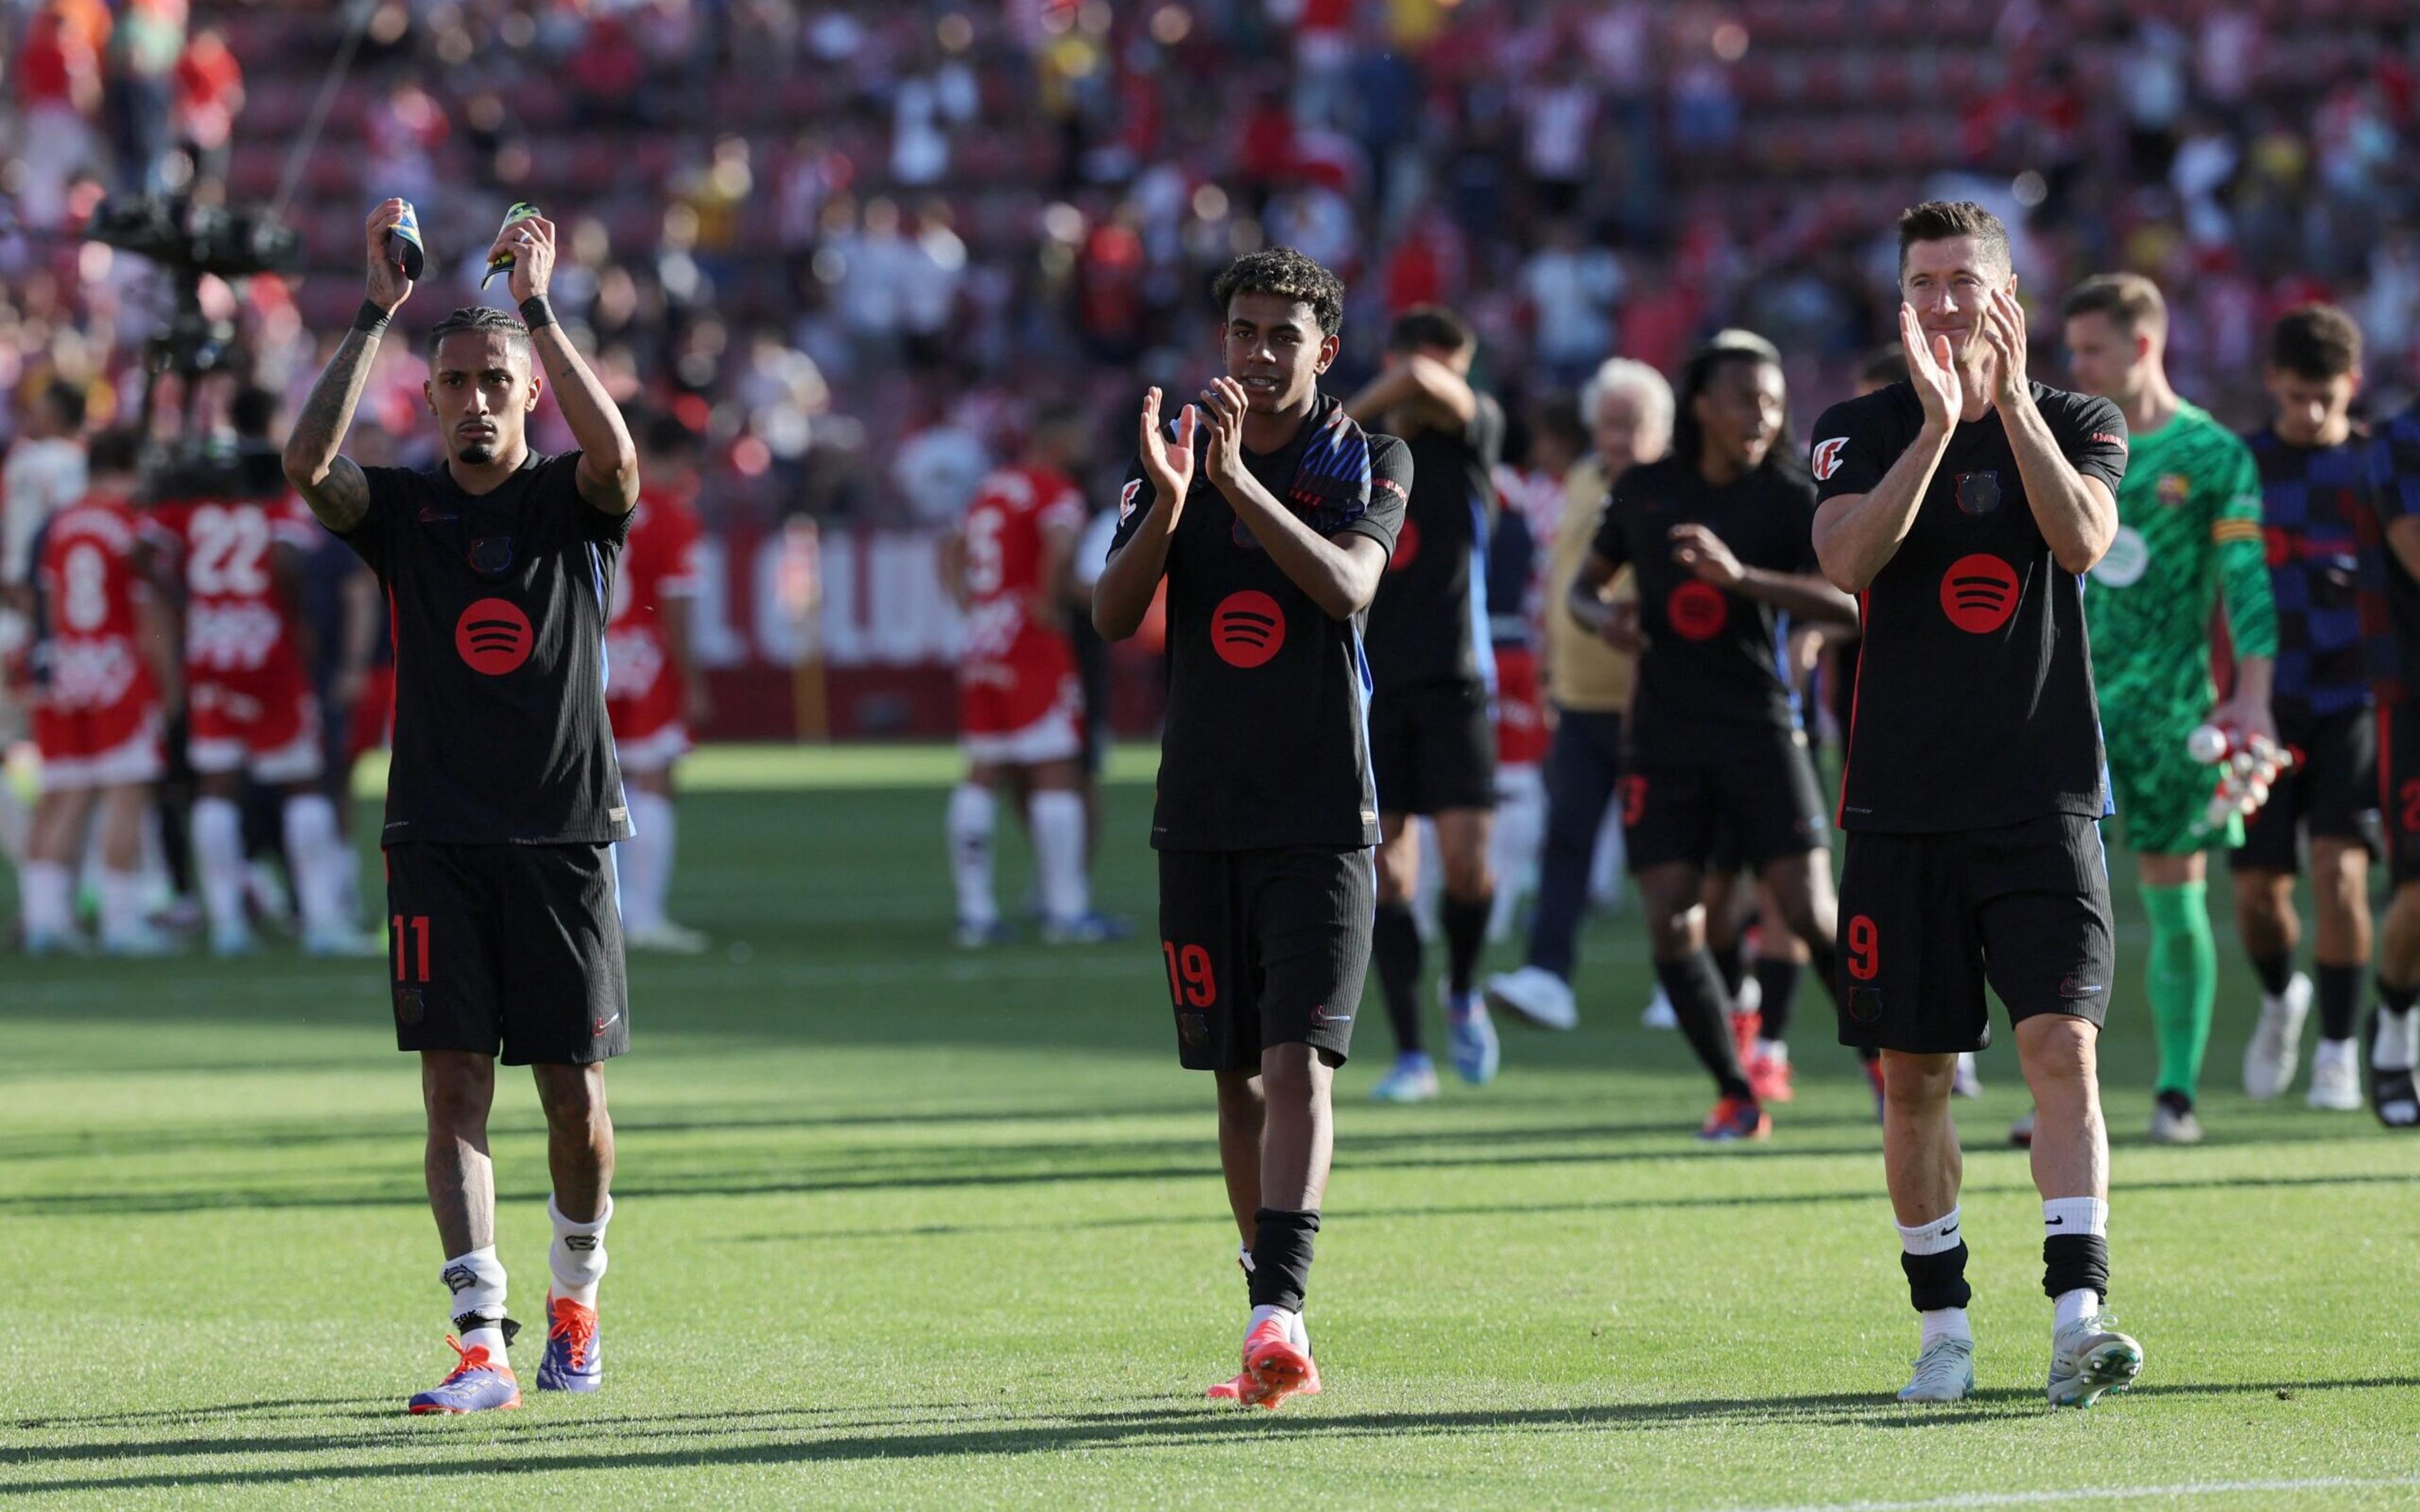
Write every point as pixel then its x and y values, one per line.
pixel 2188 532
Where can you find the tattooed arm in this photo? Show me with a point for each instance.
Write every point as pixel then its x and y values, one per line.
pixel 331 485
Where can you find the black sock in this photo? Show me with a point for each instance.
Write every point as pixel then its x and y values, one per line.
pixel 2339 1000
pixel 1395 946
pixel 1733 969
pixel 1776 978
pixel 1281 1258
pixel 1695 989
pixel 2397 999
pixel 1937 1281
pixel 1466 934
pixel 2274 972
pixel 2072 1262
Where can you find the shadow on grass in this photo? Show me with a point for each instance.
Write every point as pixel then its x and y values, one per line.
pixel 523 1446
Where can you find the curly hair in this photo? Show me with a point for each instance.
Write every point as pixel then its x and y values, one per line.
pixel 1289 276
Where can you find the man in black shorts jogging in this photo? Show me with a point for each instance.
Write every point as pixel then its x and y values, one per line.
pixel 1432 720
pixel 1962 507
pixel 1271 514
pixel 497 565
pixel 1718 534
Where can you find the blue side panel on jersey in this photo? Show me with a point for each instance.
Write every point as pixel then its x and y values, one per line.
pixel 1482 640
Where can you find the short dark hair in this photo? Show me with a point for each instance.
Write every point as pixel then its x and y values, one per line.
pixel 2129 301
pixel 484 318
pixel 1939 220
pixel 119 449
pixel 1728 348
pixel 1289 276
pixel 1883 365
pixel 1559 415
pixel 251 411
pixel 2316 341
pixel 68 399
pixel 1424 326
pixel 668 434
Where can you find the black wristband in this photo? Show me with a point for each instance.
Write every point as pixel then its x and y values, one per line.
pixel 536 311
pixel 370 319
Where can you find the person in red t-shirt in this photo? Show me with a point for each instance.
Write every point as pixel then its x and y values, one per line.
pixel 654 691
pixel 97 722
pixel 1020 706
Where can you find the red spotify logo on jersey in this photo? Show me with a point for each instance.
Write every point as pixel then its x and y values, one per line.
pixel 493 636
pixel 1407 545
pixel 1247 628
pixel 1697 610
pixel 1978 593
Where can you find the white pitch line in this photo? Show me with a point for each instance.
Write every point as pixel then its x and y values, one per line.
pixel 2103 1493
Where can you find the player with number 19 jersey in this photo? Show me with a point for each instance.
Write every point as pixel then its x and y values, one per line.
pixel 249 695
pixel 97 723
pixel 1019 702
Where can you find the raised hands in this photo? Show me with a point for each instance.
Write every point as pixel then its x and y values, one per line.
pixel 1169 466
pixel 1931 369
pixel 388 286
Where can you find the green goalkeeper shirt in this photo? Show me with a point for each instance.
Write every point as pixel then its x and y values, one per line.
pixel 2188 530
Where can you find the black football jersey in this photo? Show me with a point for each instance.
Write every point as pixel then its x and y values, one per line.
pixel 1715 659
pixel 1265 743
pixel 1973 707
pixel 1429 622
pixel 499 602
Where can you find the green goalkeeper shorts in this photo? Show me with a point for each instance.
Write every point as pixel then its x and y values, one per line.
pixel 2162 797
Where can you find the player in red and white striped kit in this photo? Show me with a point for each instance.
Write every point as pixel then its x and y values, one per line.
pixel 251 709
pixel 1020 707
pixel 98 721
pixel 654 691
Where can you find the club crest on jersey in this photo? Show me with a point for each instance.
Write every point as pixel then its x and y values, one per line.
pixel 1980 593
pixel 1978 493
pixel 1826 461
pixel 1128 497
pixel 2173 488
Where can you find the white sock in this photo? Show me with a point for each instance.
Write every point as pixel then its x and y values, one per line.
pixel 647 860
pixel 218 857
pixel 1774 1050
pixel 1058 820
pixel 1267 1311
pixel 2397 1046
pixel 1936 1236
pixel 1520 829
pixel 577 1257
pixel 1244 1257
pixel 1944 1323
pixel 121 906
pixel 2075 1216
pixel 48 900
pixel 971 815
pixel 310 825
pixel 476 1281
pixel 16 817
pixel 2074 1308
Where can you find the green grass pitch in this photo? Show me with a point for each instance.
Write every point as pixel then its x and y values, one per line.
pixel 900 1225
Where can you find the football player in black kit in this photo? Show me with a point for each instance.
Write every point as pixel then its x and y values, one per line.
pixel 1432 666
pixel 1962 507
pixel 1271 514
pixel 1719 535
pixel 503 797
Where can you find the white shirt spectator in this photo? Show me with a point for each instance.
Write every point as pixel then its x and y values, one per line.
pixel 937 471
pixel 40 478
pixel 1573 292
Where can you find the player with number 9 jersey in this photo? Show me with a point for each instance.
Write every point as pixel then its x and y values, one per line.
pixel 1018 700
pixel 251 701
pixel 97 722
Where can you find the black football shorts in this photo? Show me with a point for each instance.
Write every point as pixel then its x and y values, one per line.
pixel 1264 947
pixel 1756 804
pixel 2398 781
pixel 2330 793
pixel 510 948
pixel 1433 748
pixel 1926 920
